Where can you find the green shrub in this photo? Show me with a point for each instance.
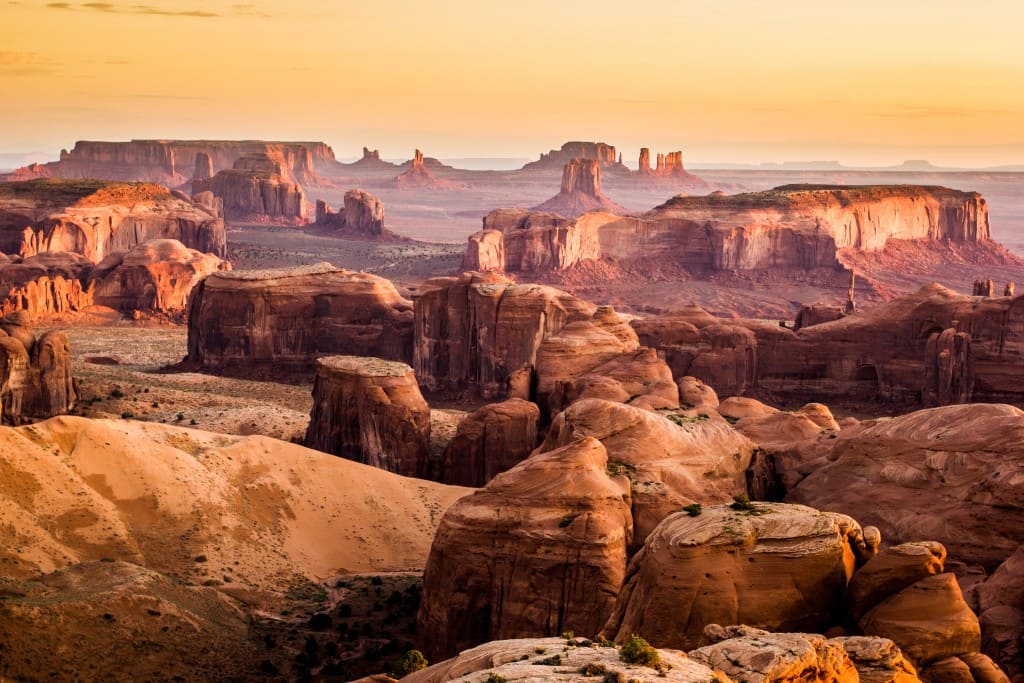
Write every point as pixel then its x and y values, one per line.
pixel 410 662
pixel 639 651
pixel 693 509
pixel 741 502
pixel 495 678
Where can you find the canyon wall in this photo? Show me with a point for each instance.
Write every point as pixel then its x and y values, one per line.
pixel 791 226
pixel 256 189
pixel 264 320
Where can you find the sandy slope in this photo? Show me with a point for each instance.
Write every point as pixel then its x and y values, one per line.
pixel 254 510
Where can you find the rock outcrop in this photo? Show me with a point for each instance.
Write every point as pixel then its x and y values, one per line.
pixel 667 167
pixel 285 319
pixel 933 347
pixel 95 218
pixel 537 660
pixel 155 276
pixel 479 331
pixel 580 191
pixel 999 603
pixel 371 411
pixel 540 550
pixel 604 154
pixel 52 282
pixel 255 189
pixel 794 226
pixel 773 566
pixel 421 177
pixel 965 461
pixel 169 162
pixel 671 460
pixel 35 374
pixel 489 441
pixel 753 655
pixel 362 217
pixel 204 167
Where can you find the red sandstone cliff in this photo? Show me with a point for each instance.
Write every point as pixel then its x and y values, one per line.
pixel 604 154
pixel 580 191
pixel 791 226
pixel 256 189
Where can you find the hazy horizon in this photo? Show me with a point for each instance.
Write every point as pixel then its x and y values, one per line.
pixel 725 81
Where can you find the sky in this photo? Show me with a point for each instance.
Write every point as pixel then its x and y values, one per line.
pixel 871 82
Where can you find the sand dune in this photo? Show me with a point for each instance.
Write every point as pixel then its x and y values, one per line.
pixel 203 506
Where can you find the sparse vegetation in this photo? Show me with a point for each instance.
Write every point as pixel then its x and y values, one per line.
pixel 410 662
pixel 553 660
pixel 639 651
pixel 693 509
pixel 742 502
pixel 495 678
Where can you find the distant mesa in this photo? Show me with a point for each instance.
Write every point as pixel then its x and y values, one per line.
pixel 603 153
pixel 580 191
pixel 418 175
pixel 362 217
pixel 370 161
pixel 256 189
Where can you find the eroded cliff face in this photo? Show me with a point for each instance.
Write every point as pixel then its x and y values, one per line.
pixel 260 320
pixel 603 153
pixel 35 373
pixel 96 218
pixel 580 191
pixel 933 347
pixel 45 284
pixel 172 162
pixel 256 189
pixel 479 330
pixel 792 226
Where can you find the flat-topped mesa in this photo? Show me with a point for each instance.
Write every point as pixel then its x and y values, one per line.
pixel 604 154
pixel 260 321
pixel 155 276
pixel 95 218
pixel 370 410
pixel 169 161
pixel 794 226
pixel 580 191
pixel 362 217
pixel 256 189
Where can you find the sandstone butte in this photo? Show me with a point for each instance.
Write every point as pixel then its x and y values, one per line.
pixel 96 218
pixel 418 175
pixel 932 347
pixel 793 226
pixel 257 321
pixel 173 162
pixel 361 217
pixel 35 372
pixel 256 189
pixel 580 192
pixel 603 153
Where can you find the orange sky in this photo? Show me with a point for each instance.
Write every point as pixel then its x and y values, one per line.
pixel 725 80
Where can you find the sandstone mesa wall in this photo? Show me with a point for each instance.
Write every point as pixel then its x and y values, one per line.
pixel 604 154
pixel 289 317
pixel 790 226
pixel 256 189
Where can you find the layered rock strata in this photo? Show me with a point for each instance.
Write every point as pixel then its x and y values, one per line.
pixel 580 191
pixel 262 320
pixel 256 189
pixel 371 411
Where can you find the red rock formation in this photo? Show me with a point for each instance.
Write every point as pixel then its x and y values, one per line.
pixel 964 461
pixel 999 603
pixel 419 176
pixel 478 330
pixel 94 218
pixel 361 218
pixel 256 189
pixel 933 347
pixel 794 226
pixel 489 441
pixel 56 282
pixel 755 655
pixel 204 167
pixel 671 461
pixel 540 550
pixel 155 276
pixel 670 164
pixel 371 411
pixel 168 161
pixel 600 152
pixel 580 191
pixel 261 320
pixel 781 568
pixel 35 374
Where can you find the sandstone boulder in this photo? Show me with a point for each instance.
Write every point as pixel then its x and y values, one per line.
pixel 671 461
pixel 892 570
pixel 878 660
pixel 540 550
pixel 779 658
pixel 928 620
pixel 770 565
pixel 155 276
pixel 285 319
pixel 999 602
pixel 952 474
pixel 536 660
pixel 695 394
pixel 489 441
pixel 371 411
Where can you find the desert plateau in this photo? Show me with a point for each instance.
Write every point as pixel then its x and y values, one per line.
pixel 604 342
